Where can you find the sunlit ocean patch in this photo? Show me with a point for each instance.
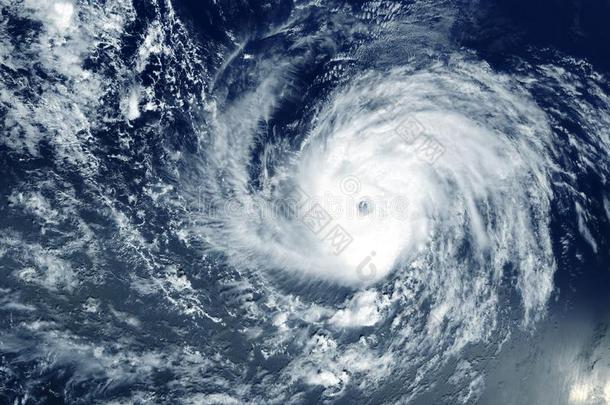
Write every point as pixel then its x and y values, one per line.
pixel 316 202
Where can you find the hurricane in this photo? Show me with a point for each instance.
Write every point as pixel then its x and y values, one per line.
pixel 298 202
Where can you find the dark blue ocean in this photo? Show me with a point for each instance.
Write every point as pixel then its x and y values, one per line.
pixel 192 193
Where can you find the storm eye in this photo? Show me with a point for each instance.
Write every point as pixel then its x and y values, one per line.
pixel 364 207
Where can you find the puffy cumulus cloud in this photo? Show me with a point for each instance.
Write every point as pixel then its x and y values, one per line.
pixel 363 310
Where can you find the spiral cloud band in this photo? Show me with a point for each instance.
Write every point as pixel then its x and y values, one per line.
pixel 403 168
pixel 422 189
pixel 287 202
